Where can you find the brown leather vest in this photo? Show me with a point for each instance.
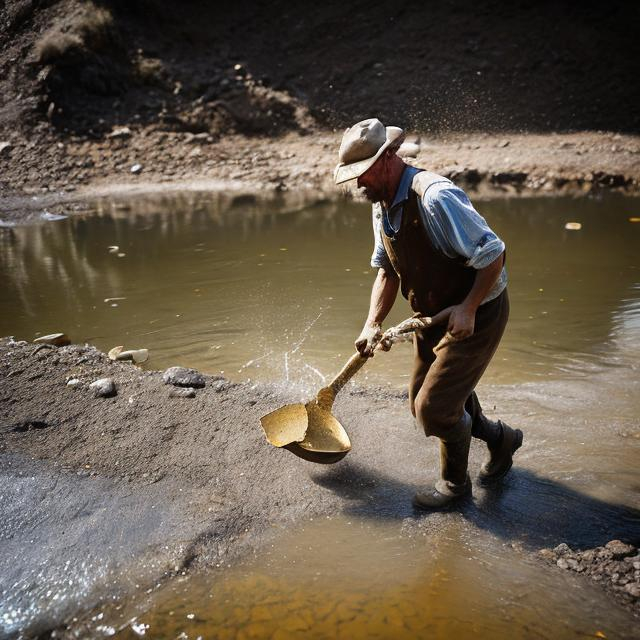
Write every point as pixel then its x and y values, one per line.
pixel 429 279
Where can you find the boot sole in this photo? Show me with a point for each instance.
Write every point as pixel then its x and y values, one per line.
pixel 517 443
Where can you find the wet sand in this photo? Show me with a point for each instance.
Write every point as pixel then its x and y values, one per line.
pixel 111 493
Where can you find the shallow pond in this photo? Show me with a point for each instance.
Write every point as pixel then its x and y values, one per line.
pixel 278 294
pixel 274 294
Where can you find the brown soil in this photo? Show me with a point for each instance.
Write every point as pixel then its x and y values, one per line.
pixel 90 90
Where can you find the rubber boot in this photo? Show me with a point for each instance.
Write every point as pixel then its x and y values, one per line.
pixel 501 455
pixel 454 483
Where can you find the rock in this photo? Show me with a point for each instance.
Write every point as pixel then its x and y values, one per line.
pixel 120 132
pixel 619 549
pixel 547 554
pixel 182 392
pixel 562 563
pixel 136 168
pixel 5 147
pixel 55 339
pixel 408 150
pixel 633 589
pixel 136 355
pixel 183 377
pixel 562 549
pixel 73 382
pixel 103 388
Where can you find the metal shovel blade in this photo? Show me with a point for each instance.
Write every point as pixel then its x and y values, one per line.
pixel 285 425
pixel 308 431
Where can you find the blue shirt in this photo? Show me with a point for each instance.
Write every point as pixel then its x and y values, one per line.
pixel 452 223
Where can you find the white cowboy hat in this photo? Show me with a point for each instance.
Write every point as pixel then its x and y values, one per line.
pixel 362 145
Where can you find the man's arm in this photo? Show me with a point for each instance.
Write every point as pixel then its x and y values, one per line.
pixel 383 295
pixel 463 316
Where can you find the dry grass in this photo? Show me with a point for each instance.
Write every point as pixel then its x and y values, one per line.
pixel 89 28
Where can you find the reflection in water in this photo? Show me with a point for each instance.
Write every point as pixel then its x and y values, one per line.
pixel 263 292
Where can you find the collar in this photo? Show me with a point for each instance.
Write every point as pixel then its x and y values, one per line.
pixel 392 217
pixel 402 192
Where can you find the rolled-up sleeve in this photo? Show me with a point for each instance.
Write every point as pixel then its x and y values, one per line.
pixel 379 257
pixel 460 229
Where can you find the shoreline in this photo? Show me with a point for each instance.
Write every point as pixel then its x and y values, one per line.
pixel 301 166
pixel 193 481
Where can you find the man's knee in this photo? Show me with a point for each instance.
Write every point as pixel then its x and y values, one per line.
pixel 436 418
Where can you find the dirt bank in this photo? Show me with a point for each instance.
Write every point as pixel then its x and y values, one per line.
pixel 46 175
pixel 112 492
pixel 105 93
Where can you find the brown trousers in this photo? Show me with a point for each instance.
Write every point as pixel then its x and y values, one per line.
pixel 446 372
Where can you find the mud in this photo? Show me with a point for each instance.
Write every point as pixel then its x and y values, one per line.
pixel 115 494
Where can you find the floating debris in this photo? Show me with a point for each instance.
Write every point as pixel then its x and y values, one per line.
pixel 114 299
pixel 634 219
pixel 573 226
pixel 45 215
pixel 114 248
pixel 55 339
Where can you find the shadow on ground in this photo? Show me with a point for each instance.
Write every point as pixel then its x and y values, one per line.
pixel 525 507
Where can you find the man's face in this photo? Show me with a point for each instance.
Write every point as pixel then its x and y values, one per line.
pixel 371 181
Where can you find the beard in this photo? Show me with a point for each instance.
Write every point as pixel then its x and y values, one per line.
pixel 372 195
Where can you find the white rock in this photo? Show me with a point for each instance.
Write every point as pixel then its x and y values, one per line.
pixel 103 388
pixel 56 339
pixel 408 150
pixel 120 132
pixel 136 168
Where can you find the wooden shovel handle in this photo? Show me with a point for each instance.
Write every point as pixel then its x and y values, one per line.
pixel 327 395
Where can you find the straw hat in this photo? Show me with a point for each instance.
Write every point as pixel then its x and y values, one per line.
pixel 362 145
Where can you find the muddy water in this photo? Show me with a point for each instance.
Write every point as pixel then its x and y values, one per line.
pixel 263 293
pixel 278 295
pixel 348 578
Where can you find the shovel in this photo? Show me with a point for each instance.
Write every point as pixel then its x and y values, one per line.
pixel 309 430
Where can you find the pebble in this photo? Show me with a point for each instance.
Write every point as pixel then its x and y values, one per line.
pixel 183 377
pixel 561 549
pixel 5 147
pixel 120 132
pixel 182 392
pixel 619 549
pixel 56 339
pixel 103 388
pixel 633 589
pixel 136 168
pixel 73 382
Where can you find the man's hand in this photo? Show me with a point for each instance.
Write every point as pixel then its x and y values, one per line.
pixel 368 339
pixel 462 321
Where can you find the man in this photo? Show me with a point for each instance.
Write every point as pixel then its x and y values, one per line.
pixel 432 244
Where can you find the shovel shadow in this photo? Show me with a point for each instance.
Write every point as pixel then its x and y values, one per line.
pixel 525 507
